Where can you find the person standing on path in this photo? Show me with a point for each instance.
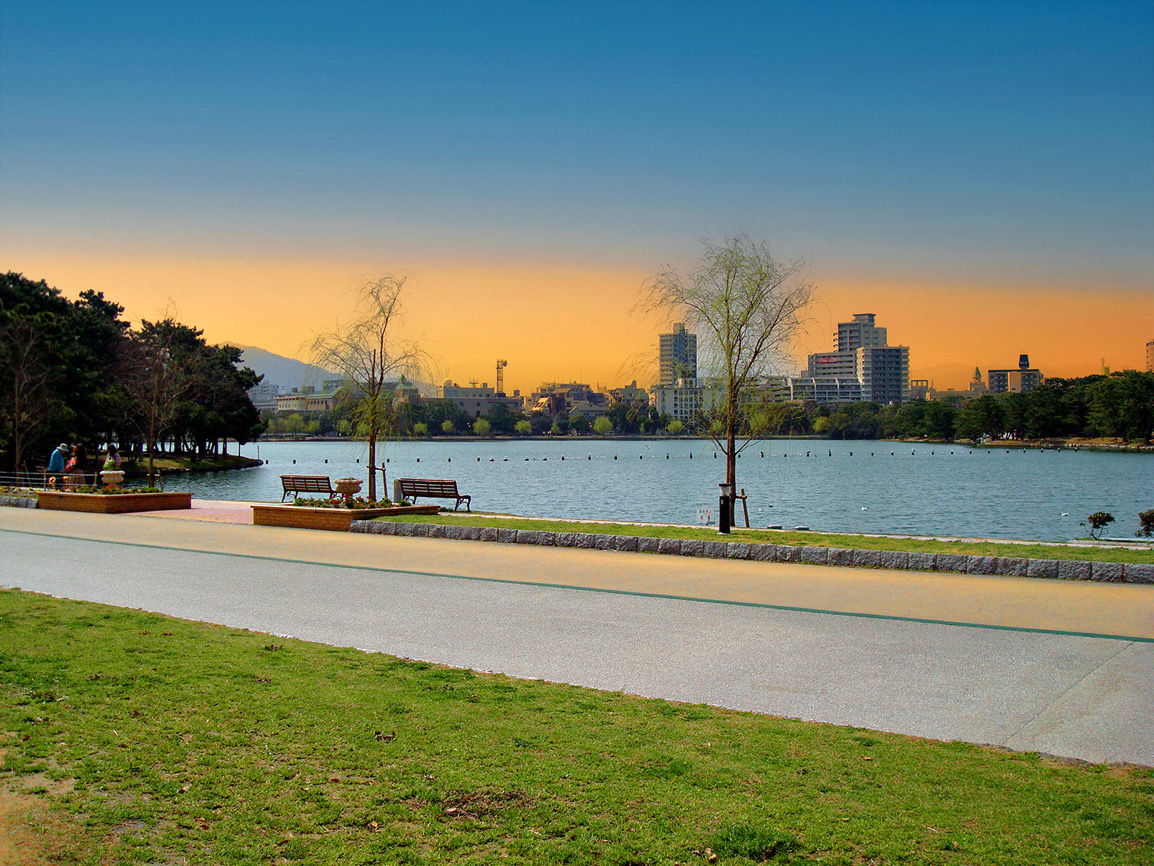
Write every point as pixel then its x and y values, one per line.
pixel 77 466
pixel 56 465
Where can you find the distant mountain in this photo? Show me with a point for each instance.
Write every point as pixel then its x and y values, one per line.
pixel 279 370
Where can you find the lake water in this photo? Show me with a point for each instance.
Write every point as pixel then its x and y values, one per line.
pixel 862 486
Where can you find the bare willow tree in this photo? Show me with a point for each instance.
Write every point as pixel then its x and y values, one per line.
pixel 747 308
pixel 368 353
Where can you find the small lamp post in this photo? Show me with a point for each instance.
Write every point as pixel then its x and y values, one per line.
pixel 723 508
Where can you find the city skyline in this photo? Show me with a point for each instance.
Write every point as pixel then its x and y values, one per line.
pixel 979 175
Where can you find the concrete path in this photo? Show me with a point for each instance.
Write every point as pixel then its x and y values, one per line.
pixel 1061 668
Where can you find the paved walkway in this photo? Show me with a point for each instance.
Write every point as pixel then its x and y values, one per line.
pixel 1049 666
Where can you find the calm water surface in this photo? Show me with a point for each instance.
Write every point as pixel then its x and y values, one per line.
pixel 861 486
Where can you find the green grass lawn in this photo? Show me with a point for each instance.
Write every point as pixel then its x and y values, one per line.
pixel 1040 550
pixel 155 740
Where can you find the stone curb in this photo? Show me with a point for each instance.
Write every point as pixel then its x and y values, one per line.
pixel 18 502
pixel 1006 566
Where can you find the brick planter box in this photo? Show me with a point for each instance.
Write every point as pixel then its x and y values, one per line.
pixel 335 519
pixel 112 503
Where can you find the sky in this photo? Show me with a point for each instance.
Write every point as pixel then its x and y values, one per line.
pixel 979 175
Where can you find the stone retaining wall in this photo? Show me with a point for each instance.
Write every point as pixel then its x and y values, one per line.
pixel 1113 572
pixel 18 501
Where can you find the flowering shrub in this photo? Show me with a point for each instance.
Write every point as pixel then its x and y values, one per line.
pixel 113 491
pixel 356 502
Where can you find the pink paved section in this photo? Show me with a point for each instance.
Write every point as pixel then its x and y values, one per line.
pixel 213 510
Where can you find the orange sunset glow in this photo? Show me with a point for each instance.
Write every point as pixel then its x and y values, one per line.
pixel 566 323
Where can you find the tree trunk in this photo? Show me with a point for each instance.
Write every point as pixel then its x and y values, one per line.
pixel 731 450
pixel 373 465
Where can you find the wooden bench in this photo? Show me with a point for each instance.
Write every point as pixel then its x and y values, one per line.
pixel 411 488
pixel 307 484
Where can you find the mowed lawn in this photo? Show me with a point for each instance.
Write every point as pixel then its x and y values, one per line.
pixel 1140 553
pixel 144 739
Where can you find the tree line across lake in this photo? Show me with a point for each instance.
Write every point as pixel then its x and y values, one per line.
pixel 73 371
pixel 1120 405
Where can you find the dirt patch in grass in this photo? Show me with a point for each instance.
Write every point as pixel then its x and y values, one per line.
pixel 31 834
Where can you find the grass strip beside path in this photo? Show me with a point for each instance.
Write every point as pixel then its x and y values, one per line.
pixel 156 740
pixel 1039 550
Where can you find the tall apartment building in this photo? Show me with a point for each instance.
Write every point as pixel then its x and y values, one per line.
pixel 1150 357
pixel 678 356
pixel 884 373
pixel 1018 381
pixel 864 355
pixel 860 333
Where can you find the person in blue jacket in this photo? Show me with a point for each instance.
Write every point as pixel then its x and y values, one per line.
pixel 56 464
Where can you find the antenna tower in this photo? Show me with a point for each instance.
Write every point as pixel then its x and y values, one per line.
pixel 501 365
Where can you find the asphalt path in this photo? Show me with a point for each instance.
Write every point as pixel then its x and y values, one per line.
pixel 1054 667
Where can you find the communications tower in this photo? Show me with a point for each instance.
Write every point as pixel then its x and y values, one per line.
pixel 501 365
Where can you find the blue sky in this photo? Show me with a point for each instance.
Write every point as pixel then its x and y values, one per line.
pixel 943 144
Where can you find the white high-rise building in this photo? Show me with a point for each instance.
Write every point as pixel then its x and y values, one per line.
pixel 678 355
pixel 858 334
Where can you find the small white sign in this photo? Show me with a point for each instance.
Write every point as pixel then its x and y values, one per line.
pixel 704 515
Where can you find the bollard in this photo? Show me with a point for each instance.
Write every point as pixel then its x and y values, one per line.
pixel 724 504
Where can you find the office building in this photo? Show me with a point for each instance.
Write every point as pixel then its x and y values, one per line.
pixel 475 400
pixel 862 354
pixel 828 391
pixel 1019 381
pixel 884 373
pixel 686 400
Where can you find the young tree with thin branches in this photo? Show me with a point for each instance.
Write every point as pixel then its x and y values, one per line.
pixel 368 353
pixel 154 380
pixel 747 308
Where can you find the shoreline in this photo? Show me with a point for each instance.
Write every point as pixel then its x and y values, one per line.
pixel 1071 444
